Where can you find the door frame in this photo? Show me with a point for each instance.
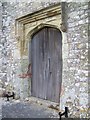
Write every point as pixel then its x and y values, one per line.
pixel 31 34
pixel 26 25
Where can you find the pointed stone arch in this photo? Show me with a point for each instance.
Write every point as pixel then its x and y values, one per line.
pixel 28 25
pixel 46 49
pixel 39 27
pixel 36 29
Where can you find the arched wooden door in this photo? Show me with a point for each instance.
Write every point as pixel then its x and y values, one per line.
pixel 46 60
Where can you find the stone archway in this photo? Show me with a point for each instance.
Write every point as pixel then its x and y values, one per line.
pixel 44 83
pixel 28 25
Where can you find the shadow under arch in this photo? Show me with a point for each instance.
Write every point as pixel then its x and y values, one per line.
pixel 32 32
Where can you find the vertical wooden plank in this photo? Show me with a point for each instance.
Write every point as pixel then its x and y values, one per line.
pixel 58 71
pixel 51 48
pixel 40 64
pixel 49 80
pixel 37 67
pixel 43 65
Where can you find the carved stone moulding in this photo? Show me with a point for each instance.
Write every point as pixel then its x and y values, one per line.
pixel 50 16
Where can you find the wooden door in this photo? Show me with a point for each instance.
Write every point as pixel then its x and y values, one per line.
pixel 46 60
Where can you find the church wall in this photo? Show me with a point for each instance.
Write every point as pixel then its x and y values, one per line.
pixel 75 50
pixel 75 60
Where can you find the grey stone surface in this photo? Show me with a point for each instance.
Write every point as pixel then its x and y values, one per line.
pixel 75 63
pixel 75 74
pixel 20 109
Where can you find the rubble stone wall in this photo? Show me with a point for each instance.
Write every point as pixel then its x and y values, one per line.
pixel 11 61
pixel 74 53
pixel 75 60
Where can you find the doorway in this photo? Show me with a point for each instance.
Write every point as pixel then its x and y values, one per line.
pixel 46 64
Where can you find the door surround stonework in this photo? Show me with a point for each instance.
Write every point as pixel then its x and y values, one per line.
pixel 29 24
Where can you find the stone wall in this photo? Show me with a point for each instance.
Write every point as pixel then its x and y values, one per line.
pixel 25 28
pixel 12 63
pixel 74 53
pixel 75 60
pixel 89 57
pixel 1 46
